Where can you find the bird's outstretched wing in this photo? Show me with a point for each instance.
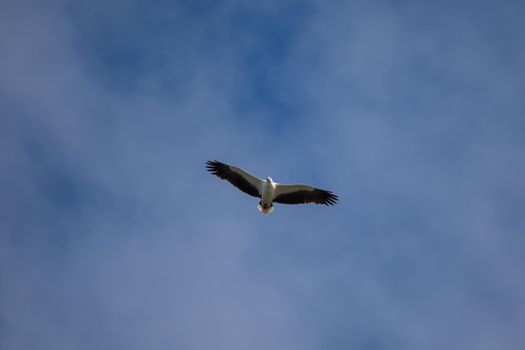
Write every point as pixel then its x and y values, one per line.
pixel 238 177
pixel 301 194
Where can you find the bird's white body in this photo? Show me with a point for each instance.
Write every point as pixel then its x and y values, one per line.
pixel 267 194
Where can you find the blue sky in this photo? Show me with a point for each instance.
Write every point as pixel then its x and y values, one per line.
pixel 112 235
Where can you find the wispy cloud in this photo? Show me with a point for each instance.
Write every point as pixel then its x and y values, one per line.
pixel 113 235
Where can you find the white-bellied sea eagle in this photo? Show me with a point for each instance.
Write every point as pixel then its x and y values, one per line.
pixel 270 191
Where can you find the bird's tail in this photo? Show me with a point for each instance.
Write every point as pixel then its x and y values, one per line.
pixel 265 210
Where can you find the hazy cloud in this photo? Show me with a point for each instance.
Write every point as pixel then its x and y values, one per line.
pixel 113 235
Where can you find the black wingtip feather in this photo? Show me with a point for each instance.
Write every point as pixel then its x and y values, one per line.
pixel 214 167
pixel 330 198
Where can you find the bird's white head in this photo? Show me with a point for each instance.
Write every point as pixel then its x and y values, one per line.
pixel 269 179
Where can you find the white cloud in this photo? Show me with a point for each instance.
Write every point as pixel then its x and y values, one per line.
pixel 114 235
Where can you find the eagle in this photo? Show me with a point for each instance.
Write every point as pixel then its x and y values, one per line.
pixel 270 192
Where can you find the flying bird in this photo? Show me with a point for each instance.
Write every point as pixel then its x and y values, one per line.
pixel 270 192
